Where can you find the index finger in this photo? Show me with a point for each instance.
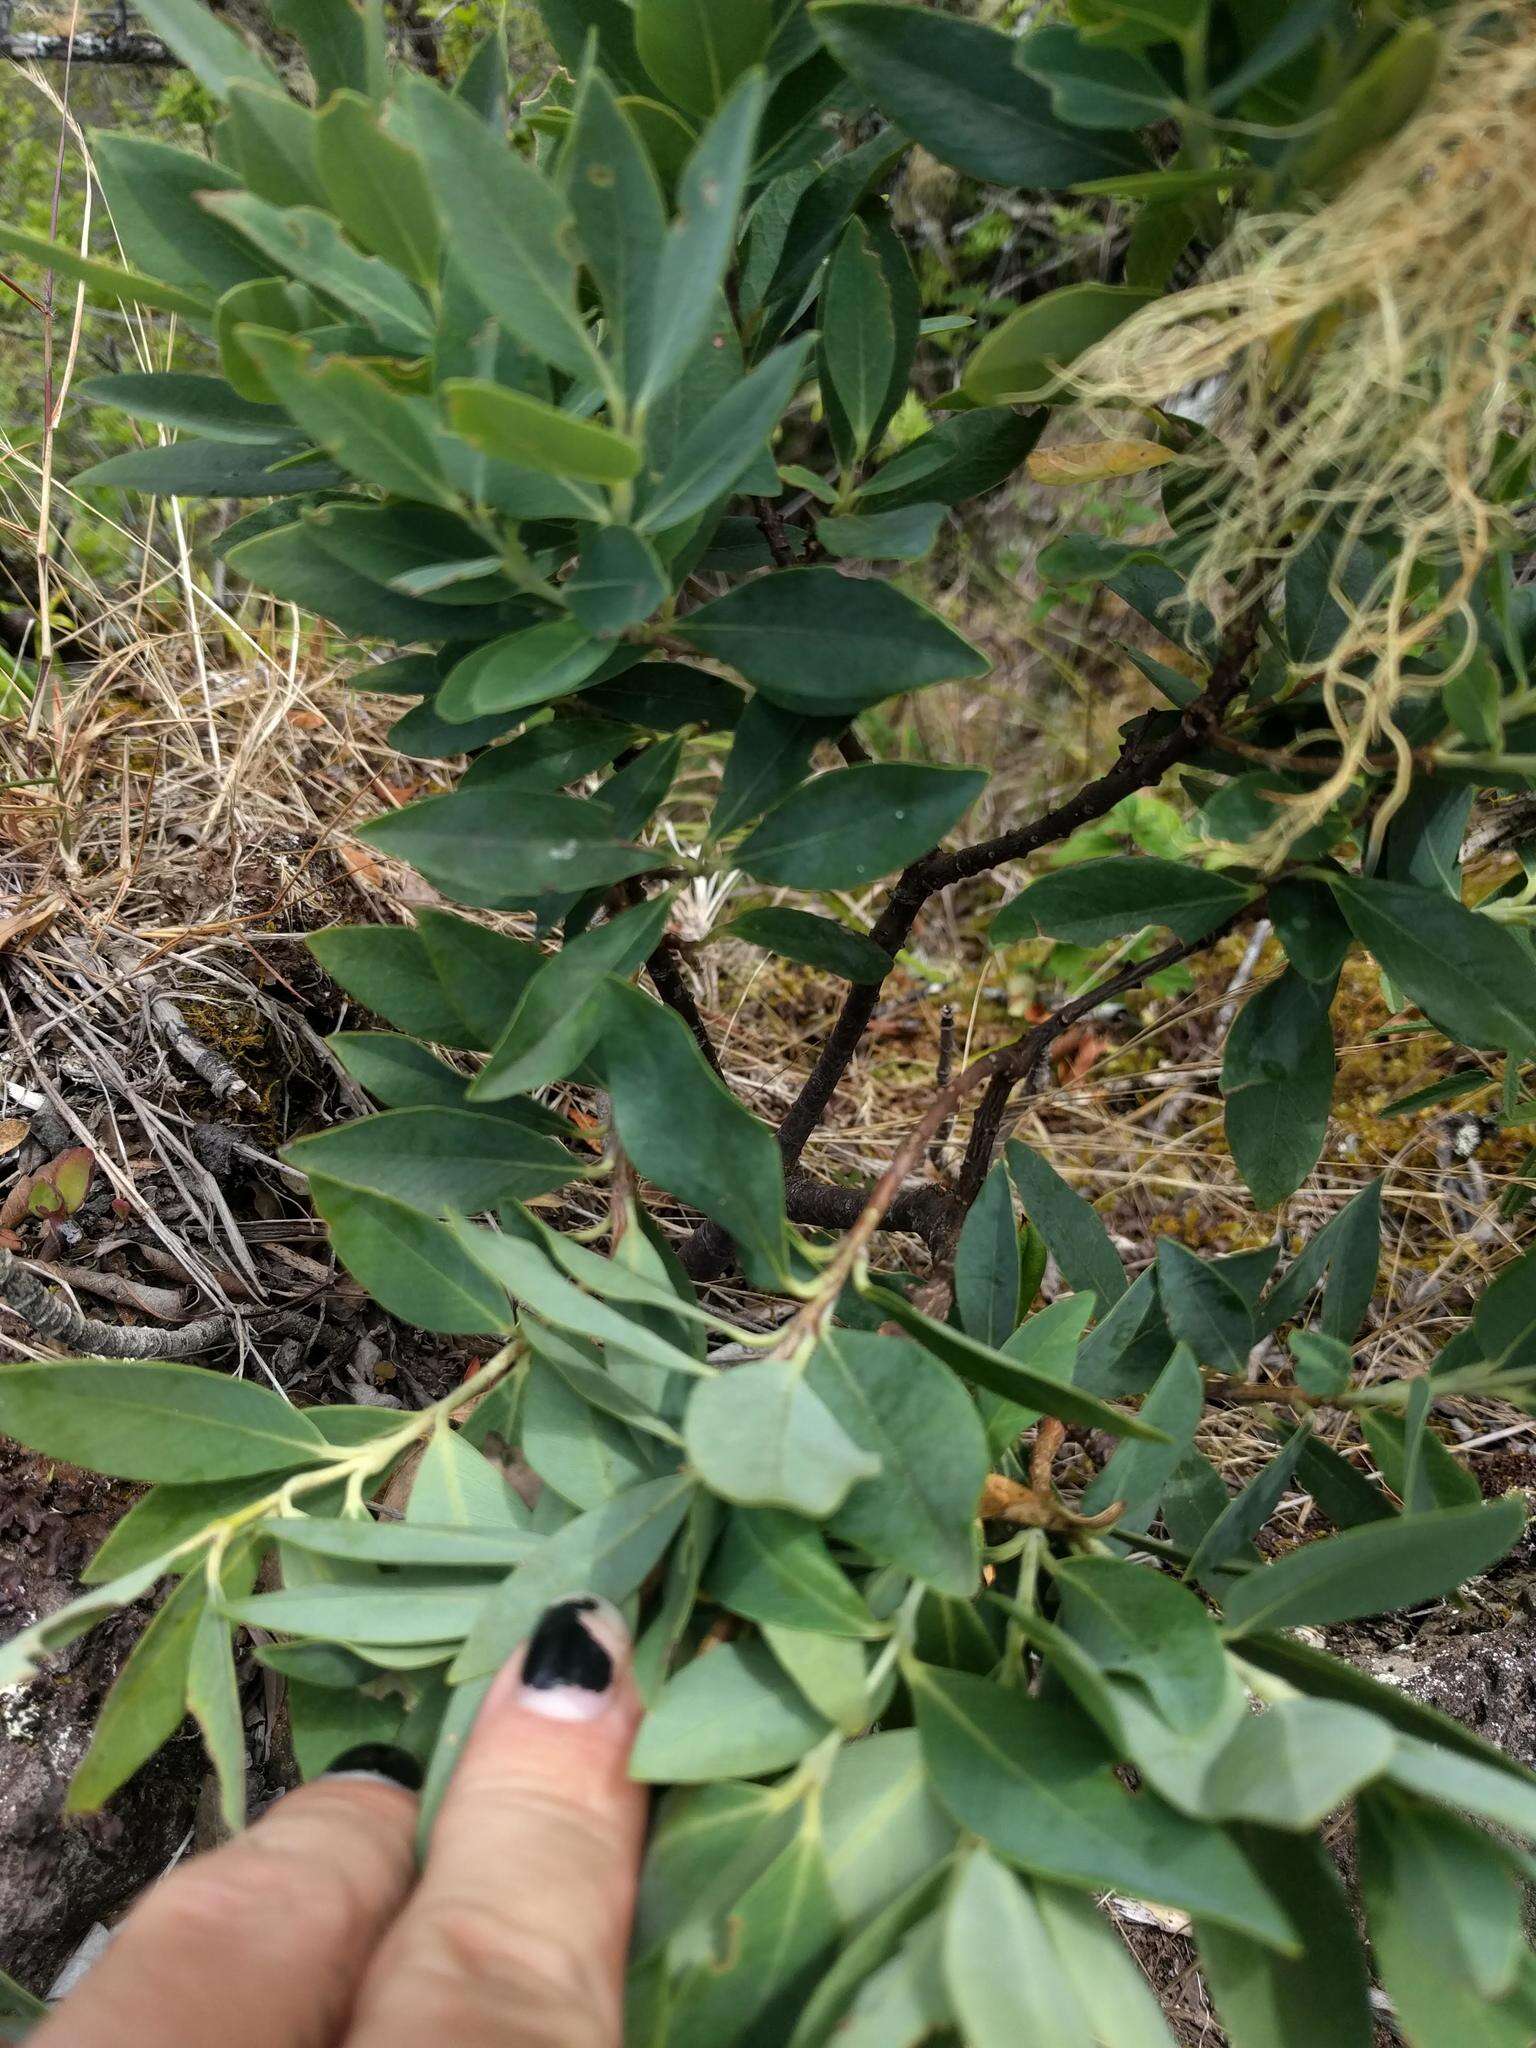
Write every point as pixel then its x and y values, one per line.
pixel 261 1944
pixel 516 1934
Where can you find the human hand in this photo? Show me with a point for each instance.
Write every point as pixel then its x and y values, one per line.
pixel 314 1929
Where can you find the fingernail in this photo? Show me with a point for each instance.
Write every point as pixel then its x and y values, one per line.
pixel 378 1760
pixel 572 1660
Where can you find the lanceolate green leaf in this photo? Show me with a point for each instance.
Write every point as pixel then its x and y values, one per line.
pixel 473 844
pixel 859 333
pixel 1020 362
pixel 1093 900
pixel 608 1551
pixel 815 641
pixel 697 249
pixel 409 1262
pixel 438 1160
pixel 695 50
pixel 818 941
pixel 148 1702
pixel 142 1420
pixel 1031 1778
pixel 954 87
pixel 848 828
pixel 375 433
pixel 525 430
pixel 1375 1568
pixel 1474 978
pixel 620 218
pixel 716 1156
pixel 725 440
pixel 378 188
pixel 506 223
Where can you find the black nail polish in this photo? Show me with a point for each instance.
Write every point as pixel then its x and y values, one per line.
pixel 379 1760
pixel 562 1651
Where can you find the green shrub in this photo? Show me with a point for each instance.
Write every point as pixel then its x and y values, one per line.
pixel 509 401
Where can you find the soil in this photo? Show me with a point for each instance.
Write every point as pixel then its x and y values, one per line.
pixel 60 1874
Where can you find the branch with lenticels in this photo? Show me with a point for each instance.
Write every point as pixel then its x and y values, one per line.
pixel 1142 763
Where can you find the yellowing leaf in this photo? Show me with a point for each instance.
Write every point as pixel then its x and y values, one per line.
pixel 1088 462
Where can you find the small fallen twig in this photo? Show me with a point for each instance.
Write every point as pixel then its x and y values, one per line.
pixel 161 1302
pixel 210 1067
pixel 60 1323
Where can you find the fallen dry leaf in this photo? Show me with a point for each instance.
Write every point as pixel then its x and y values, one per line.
pixel 1089 462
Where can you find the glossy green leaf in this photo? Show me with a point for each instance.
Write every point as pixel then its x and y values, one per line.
pixel 1377 1568
pixel 408 1543
pixel 770 755
pixel 475 845
pixel 163 206
pixel 695 50
pixel 721 445
pixel 616 200
pixel 310 246
pixel 213 1700
pixel 1292 1765
pixel 1476 979
pixel 760 1436
pixel 953 86
pixel 815 941
pixel 1093 900
pixel 729 1714
pixel 203 405
pixel 107 283
pixel 858 332
pixel 212 469
pixel 561 1014
pixel 987 1264
pixel 1444 1918
pixel 1022 361
pixel 784 1929
pixel 1138 1473
pixel 524 670
pixel 1000 1372
pixel 1115 1995
pixel 389 969
pixel 903 535
pixel 588 1457
pixel 374 432
pixel 1277 1076
pixel 1204 1309
pixel 904 1409
pixel 815 641
pixel 529 1277
pixel 438 1160
pixel 140 1420
pixel 718 1158
pixel 1078 1241
pixel 1093 86
pixel 618 582
pixel 963 457
pixel 1320 1999
pixel 849 827
pixel 608 1551
pixel 525 430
